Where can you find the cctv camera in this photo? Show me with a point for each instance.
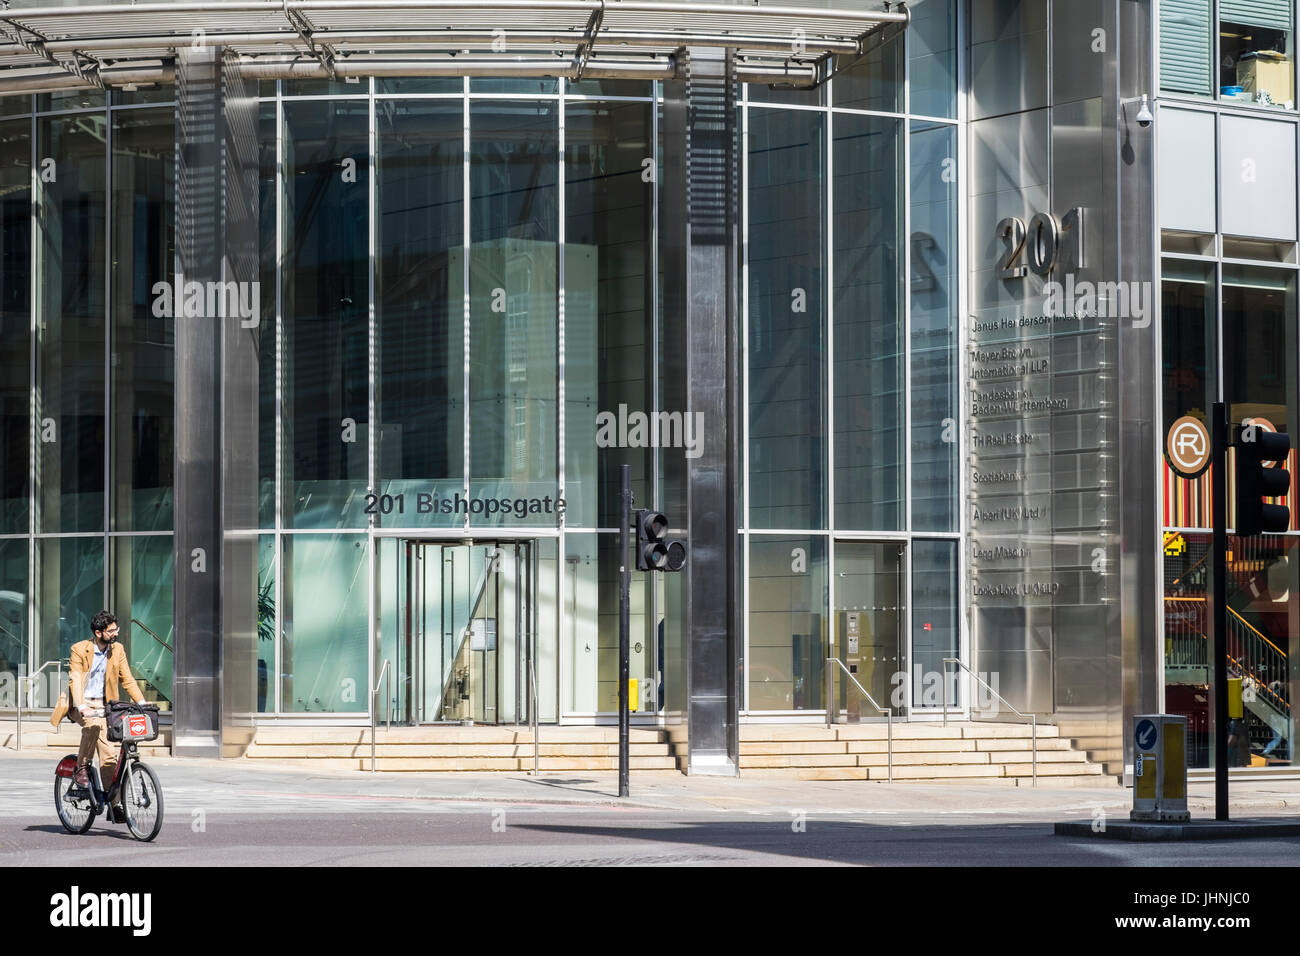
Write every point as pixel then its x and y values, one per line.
pixel 1144 116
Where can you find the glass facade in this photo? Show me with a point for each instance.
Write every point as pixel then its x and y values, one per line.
pixel 460 342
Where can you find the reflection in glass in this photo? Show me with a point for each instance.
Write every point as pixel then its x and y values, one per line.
pixel 787 319
pixel 70 352
pixel 325 637
pixel 608 300
pixel 13 605
pixel 15 324
pixel 326 328
pixel 787 622
pixel 141 597
pixel 936 631
pixel 868 627
pixel 873 80
pixel 69 592
pixel 1259 344
pixel 419 282
pixel 513 284
pixel 934 294
pixel 932 58
pixel 266 342
pixel 144 343
pixel 266 621
pixel 869 360
pixel 1188 317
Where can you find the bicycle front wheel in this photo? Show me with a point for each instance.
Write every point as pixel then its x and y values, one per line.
pixel 75 809
pixel 142 801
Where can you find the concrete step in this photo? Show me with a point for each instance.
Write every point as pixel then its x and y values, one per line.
pixel 277 751
pixel 480 765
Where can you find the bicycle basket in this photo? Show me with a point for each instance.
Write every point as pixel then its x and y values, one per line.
pixel 131 722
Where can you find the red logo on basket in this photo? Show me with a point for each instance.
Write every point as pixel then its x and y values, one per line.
pixel 137 725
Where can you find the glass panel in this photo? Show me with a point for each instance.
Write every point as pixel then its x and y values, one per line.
pixel 266 675
pixel 1259 345
pixel 935 349
pixel 15 323
pixel 324 88
pixel 643 88
pixel 69 592
pixel 608 310
pixel 511 84
pixel 142 601
pixel 936 628
pixel 1257 52
pixel 419 84
pixel 869 361
pixel 874 80
pixel 325 638
pixel 787 623
pixel 71 348
pixel 13 608
pixel 143 342
pixel 868 627
pixel 70 100
pixel 419 278
pixel 1263 639
pixel 326 326
pixel 157 94
pixel 1187 338
pixel 932 61
pixel 787 319
pixel 266 348
pixel 15 105
pixel 513 282
pixel 786 96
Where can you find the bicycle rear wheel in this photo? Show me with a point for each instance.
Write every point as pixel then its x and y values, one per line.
pixel 142 801
pixel 76 813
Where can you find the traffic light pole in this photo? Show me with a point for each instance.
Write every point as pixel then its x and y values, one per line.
pixel 624 626
pixel 1219 452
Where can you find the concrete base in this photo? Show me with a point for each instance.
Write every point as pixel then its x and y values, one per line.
pixel 1193 830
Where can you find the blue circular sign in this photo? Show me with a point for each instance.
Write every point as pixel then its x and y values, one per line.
pixel 1144 735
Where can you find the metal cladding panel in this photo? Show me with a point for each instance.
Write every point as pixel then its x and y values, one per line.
pixel 1257 178
pixel 700 367
pixel 239 415
pixel 1064 575
pixel 197 592
pixel 1187 170
pixel 215 401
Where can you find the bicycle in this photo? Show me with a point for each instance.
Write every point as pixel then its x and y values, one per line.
pixel 142 802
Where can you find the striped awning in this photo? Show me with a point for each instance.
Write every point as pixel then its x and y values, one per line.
pixel 44 46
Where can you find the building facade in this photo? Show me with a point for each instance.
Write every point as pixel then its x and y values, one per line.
pixel 324 335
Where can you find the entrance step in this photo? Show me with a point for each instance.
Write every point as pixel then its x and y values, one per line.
pixel 442 749
pixel 970 751
pixel 42 738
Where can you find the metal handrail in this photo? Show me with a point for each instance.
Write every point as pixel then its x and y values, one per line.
pixel 145 626
pixel 386 680
pixel 1033 718
pixel 537 750
pixel 58 682
pixel 887 711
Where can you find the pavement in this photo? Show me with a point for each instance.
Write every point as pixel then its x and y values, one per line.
pixel 242 813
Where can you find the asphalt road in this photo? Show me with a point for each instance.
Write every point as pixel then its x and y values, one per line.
pixel 228 815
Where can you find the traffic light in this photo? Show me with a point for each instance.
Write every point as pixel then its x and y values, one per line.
pixel 1255 482
pixel 653 553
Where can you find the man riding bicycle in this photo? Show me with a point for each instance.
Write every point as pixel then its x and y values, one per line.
pixel 95 670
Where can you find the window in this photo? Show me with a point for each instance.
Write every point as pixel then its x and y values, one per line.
pixel 1253 62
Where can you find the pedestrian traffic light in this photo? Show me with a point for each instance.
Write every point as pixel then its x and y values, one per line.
pixel 653 553
pixel 1255 481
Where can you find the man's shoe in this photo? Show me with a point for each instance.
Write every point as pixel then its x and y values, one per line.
pixel 82 777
